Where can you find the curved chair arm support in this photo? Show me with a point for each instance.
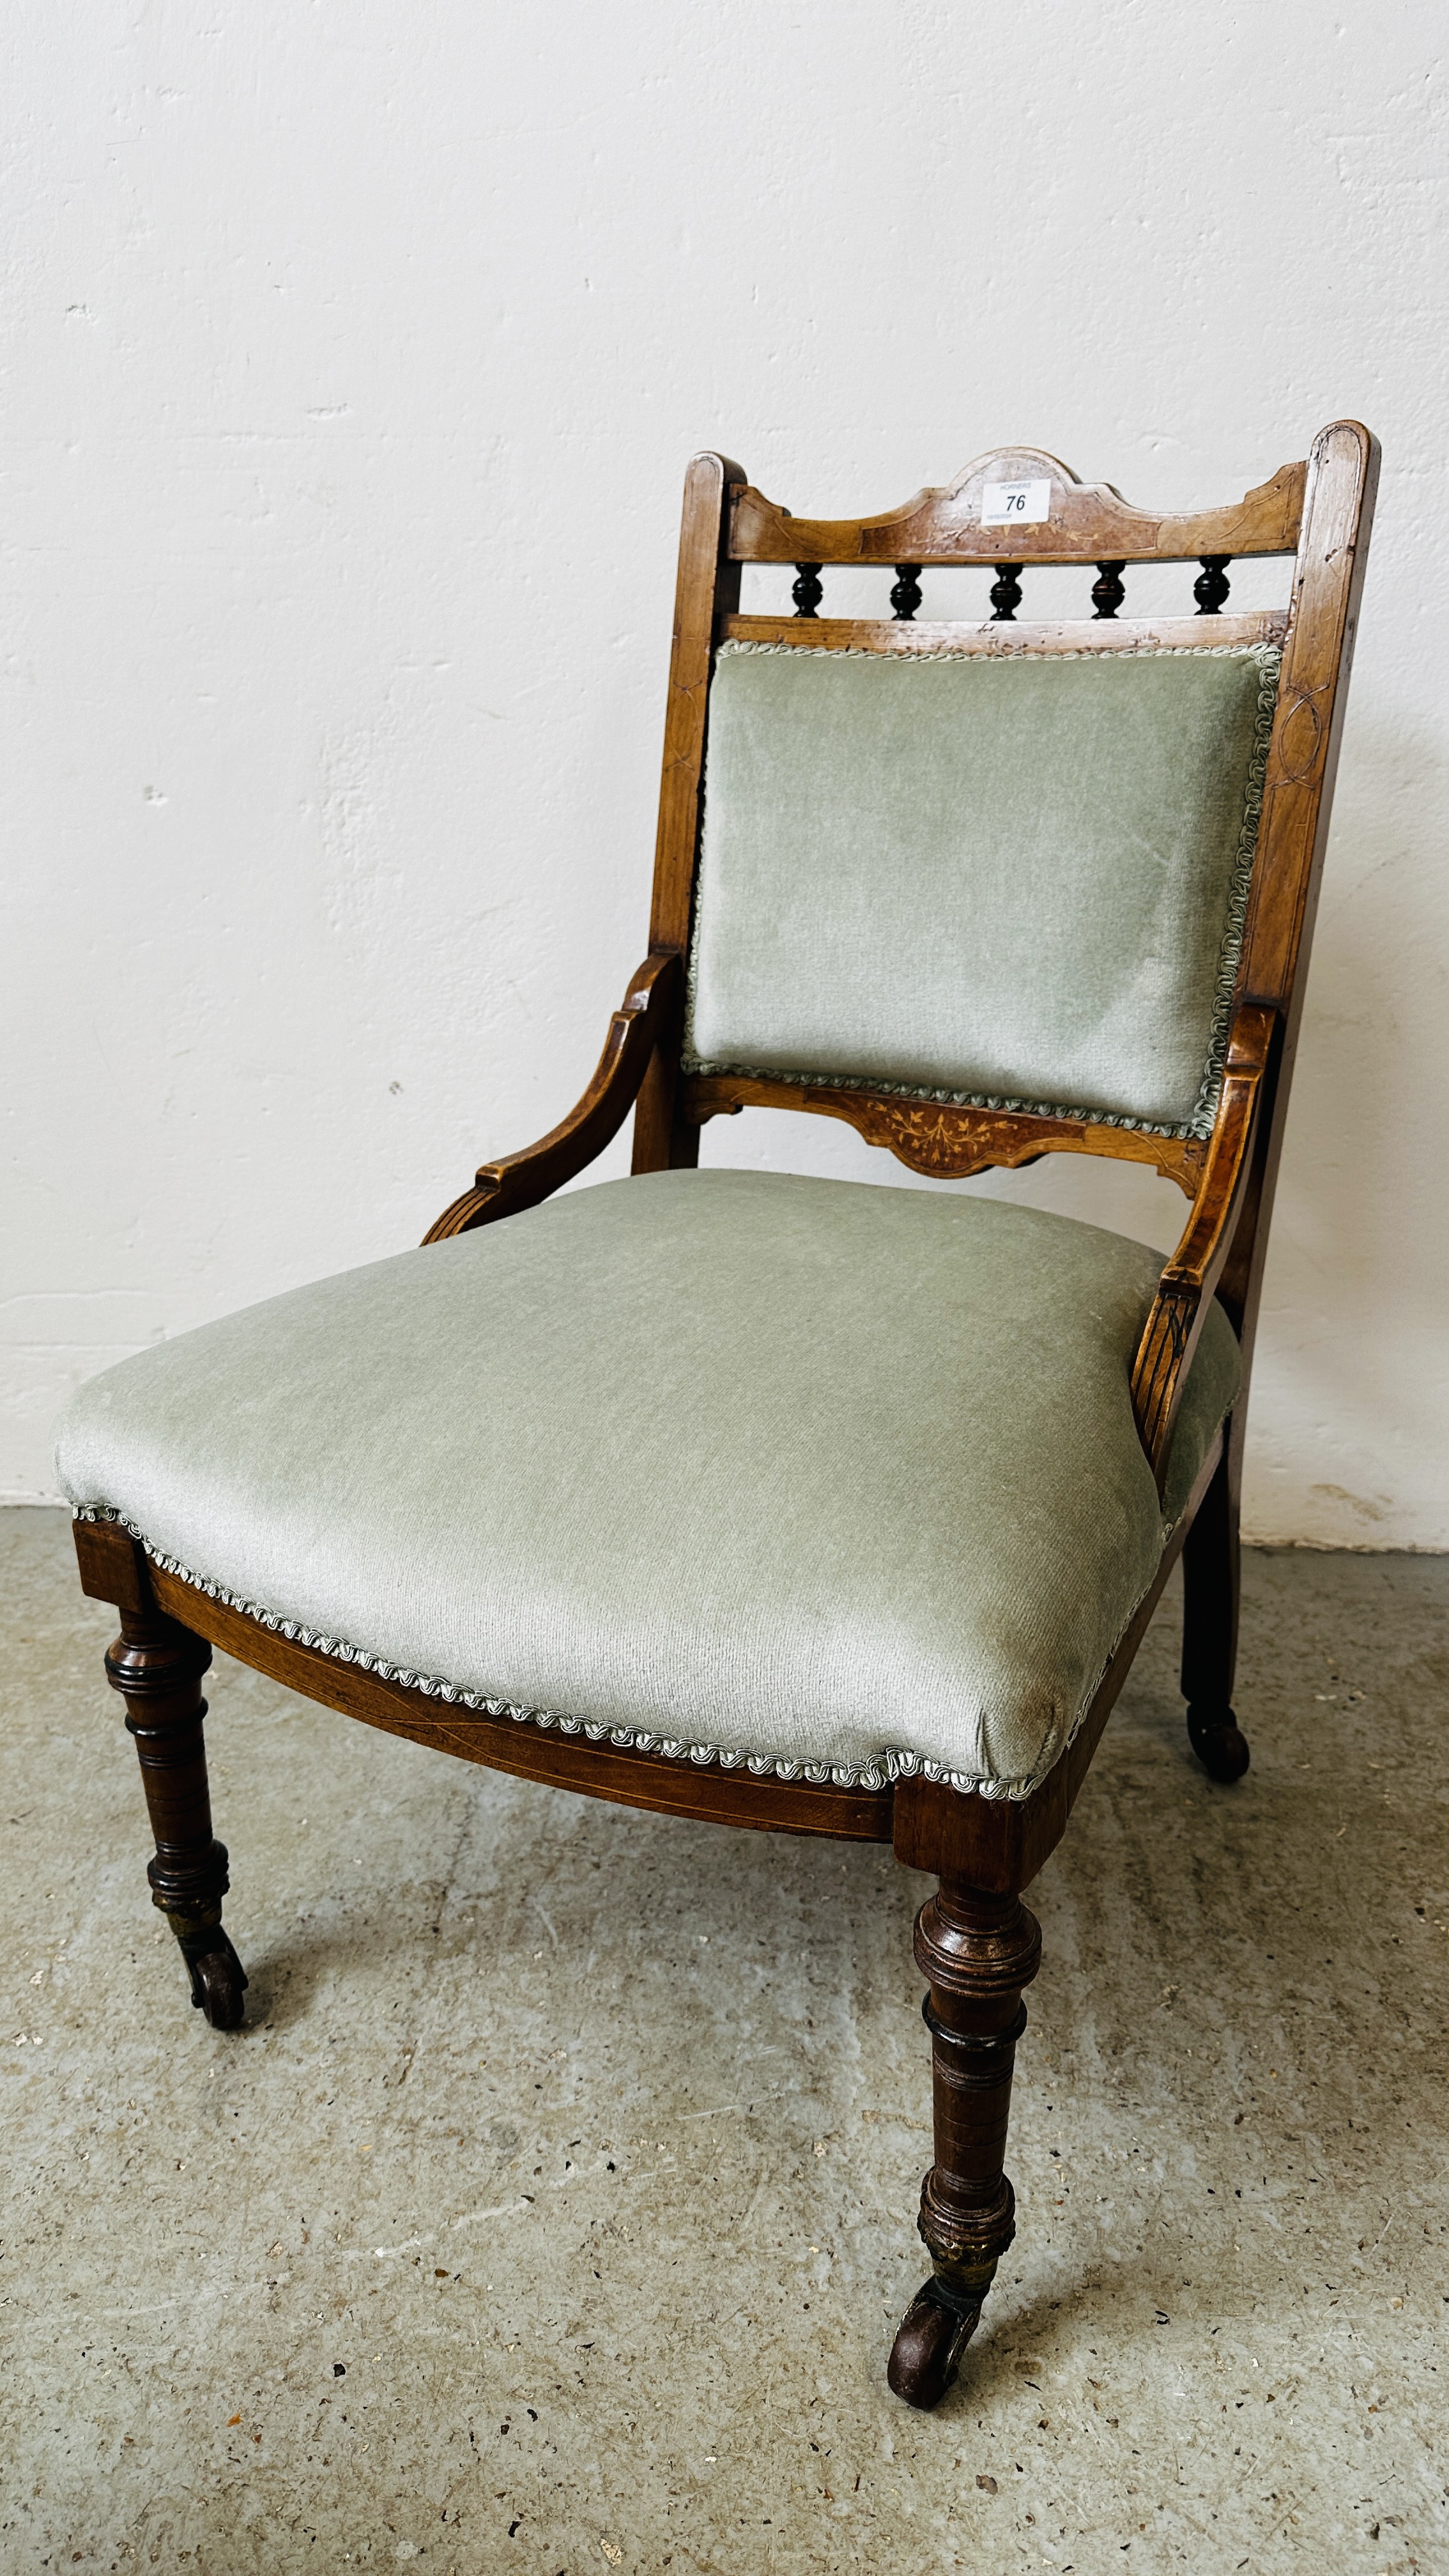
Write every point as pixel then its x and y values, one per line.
pixel 1184 1292
pixel 522 1180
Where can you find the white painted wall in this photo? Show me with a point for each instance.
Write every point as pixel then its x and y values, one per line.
pixel 355 353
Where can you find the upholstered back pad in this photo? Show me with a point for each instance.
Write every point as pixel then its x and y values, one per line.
pixel 1018 881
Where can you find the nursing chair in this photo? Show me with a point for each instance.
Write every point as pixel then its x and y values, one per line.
pixel 808 1505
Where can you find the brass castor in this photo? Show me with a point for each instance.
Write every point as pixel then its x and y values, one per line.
pixel 1218 1742
pixel 218 1981
pixel 930 2339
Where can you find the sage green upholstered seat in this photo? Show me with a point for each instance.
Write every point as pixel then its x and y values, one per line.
pixel 826 1477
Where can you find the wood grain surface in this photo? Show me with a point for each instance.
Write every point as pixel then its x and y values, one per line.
pixel 1089 522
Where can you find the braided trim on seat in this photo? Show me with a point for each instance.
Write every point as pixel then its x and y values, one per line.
pixel 880 1772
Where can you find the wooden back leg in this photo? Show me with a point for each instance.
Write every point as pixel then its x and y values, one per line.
pixel 157 1668
pixel 977 1952
pixel 1210 1589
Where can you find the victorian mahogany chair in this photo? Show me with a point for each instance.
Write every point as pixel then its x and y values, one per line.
pixel 800 1504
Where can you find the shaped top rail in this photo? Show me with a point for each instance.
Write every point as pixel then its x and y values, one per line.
pixel 1085 523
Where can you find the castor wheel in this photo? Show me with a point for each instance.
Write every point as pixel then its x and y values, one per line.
pixel 1218 1742
pixel 218 1982
pixel 930 2339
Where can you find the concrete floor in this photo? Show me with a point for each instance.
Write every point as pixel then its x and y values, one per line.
pixel 554 2211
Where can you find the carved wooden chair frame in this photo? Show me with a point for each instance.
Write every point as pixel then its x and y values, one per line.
pixel 976 1943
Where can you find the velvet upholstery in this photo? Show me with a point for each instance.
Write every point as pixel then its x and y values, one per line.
pixel 1015 881
pixel 812 1473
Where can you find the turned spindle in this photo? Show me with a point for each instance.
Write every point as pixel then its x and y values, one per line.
pixel 1109 590
pixel 807 590
pixel 1005 595
pixel 906 592
pixel 1212 584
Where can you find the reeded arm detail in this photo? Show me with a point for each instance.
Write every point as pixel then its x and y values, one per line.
pixel 522 1180
pixel 1185 1290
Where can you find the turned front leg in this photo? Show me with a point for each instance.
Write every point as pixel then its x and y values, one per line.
pixel 157 1668
pixel 977 1952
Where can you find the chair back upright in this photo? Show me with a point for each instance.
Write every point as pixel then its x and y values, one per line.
pixel 993 889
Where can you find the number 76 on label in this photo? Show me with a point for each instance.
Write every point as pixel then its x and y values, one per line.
pixel 1015 505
